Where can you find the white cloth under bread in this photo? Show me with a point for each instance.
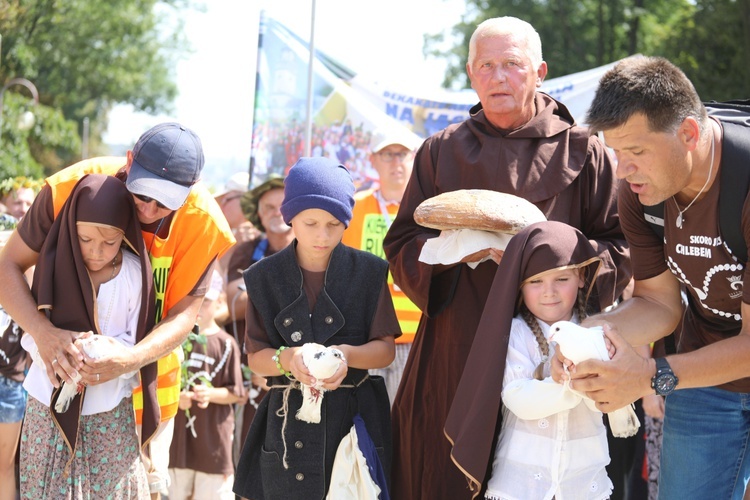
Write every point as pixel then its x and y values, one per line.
pixel 454 244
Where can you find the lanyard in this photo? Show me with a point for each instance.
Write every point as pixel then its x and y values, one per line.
pixel 383 209
pixel 260 250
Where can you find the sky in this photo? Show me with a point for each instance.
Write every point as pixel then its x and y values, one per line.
pixel 380 40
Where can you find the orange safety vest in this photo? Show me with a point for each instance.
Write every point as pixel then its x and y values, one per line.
pixel 366 232
pixel 198 234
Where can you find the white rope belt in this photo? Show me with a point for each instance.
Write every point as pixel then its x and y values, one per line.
pixel 283 412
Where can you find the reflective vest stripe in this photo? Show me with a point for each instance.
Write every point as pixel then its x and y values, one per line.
pixel 168 388
pixel 408 315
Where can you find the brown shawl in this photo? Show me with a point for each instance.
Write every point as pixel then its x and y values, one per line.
pixel 62 286
pixel 475 418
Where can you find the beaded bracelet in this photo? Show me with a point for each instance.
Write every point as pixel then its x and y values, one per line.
pixel 277 359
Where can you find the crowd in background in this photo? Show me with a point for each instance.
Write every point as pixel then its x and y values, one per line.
pixel 277 146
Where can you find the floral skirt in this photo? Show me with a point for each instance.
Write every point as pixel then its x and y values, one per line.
pixel 107 461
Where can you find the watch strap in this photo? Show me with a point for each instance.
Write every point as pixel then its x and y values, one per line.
pixel 662 366
pixel 663 370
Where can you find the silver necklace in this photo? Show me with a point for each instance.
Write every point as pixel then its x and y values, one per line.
pixel 679 220
pixel 105 324
pixel 114 267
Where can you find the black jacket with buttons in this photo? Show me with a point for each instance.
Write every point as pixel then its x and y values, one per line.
pixel 343 314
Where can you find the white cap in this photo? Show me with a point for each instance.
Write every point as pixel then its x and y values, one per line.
pixel 405 138
pixel 237 182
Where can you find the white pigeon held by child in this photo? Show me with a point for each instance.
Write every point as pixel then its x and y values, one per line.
pixel 322 362
pixel 579 344
pixel 95 347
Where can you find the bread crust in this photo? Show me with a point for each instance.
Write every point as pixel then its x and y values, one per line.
pixel 478 209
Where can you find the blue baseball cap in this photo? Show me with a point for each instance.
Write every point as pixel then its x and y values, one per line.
pixel 167 161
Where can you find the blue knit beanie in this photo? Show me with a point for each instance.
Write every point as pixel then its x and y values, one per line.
pixel 321 183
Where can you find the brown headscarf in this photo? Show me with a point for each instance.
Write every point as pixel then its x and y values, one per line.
pixel 475 417
pixel 63 288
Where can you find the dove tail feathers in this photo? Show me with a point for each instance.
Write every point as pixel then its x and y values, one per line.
pixel 312 399
pixel 64 399
pixel 623 422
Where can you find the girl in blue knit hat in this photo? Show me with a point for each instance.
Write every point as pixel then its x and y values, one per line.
pixel 317 290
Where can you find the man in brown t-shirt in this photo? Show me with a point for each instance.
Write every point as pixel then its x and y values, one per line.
pixel 669 150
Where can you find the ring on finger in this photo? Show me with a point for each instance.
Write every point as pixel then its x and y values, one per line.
pixel 97 377
pixel 54 361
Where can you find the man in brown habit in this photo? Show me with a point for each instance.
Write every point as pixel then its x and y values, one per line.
pixel 519 141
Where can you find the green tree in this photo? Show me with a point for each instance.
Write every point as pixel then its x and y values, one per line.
pixel 23 152
pixel 85 56
pixel 708 39
pixel 712 46
pixel 576 35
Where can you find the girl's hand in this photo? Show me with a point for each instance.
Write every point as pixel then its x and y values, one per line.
pixel 201 395
pixel 560 367
pixel 334 381
pixel 186 400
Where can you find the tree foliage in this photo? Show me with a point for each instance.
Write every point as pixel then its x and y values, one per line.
pixel 84 56
pixel 26 152
pixel 708 39
pixel 712 46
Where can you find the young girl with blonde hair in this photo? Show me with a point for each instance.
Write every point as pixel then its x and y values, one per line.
pixel 552 442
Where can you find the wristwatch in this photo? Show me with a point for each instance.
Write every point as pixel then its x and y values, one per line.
pixel 664 380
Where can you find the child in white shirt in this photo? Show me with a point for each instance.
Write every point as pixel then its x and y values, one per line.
pixel 552 442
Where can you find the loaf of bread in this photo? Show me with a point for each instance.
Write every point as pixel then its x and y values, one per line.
pixel 478 209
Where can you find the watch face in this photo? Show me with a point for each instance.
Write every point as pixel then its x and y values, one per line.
pixel 665 383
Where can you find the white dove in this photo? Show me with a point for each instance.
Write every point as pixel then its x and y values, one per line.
pixel 95 347
pixel 322 362
pixel 579 344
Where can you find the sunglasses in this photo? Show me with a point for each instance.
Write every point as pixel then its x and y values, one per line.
pixel 231 198
pixel 146 199
pixel 390 156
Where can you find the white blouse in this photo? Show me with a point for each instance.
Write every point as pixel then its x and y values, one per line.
pixel 118 306
pixel 553 443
